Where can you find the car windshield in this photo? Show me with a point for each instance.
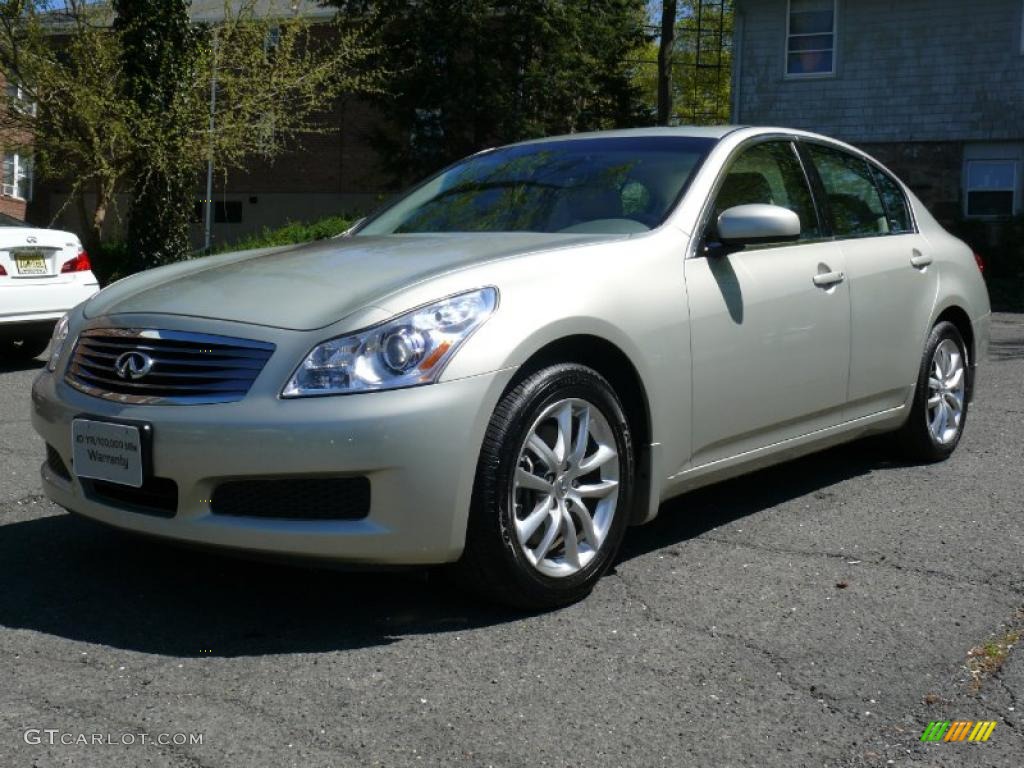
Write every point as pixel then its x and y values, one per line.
pixel 601 185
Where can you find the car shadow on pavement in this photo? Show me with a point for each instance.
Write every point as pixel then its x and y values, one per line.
pixel 695 513
pixel 66 576
pixel 13 366
pixel 1006 349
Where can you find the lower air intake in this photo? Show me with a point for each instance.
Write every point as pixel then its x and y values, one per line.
pixel 342 498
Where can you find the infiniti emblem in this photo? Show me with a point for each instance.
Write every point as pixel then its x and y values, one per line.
pixel 31 239
pixel 133 365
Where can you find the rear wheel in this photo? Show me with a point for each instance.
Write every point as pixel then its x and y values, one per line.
pixel 939 413
pixel 552 492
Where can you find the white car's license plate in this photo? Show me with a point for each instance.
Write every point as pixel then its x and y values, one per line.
pixel 30 262
pixel 105 451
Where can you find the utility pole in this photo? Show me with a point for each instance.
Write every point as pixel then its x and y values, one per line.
pixel 665 46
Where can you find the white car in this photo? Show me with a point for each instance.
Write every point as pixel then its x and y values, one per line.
pixel 43 274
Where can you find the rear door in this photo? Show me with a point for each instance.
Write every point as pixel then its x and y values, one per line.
pixel 770 334
pixel 893 284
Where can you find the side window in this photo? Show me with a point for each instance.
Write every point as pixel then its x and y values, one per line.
pixel 895 203
pixel 854 204
pixel 769 173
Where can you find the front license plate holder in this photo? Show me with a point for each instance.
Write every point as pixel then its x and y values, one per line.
pixel 112 451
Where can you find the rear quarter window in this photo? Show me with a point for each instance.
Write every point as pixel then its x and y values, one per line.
pixel 895 201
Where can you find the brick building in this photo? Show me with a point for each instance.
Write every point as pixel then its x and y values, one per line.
pixel 933 88
pixel 329 173
pixel 16 177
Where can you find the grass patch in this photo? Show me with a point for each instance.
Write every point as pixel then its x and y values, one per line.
pixel 291 233
pixel 986 659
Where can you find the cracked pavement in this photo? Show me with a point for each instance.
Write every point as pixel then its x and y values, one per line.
pixel 801 616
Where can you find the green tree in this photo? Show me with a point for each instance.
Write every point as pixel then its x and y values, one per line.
pixel 475 73
pixel 686 73
pixel 118 105
pixel 159 52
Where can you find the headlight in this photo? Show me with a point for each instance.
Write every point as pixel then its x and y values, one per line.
pixel 60 336
pixel 408 350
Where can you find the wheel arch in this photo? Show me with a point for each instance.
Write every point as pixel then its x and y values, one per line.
pixel 957 315
pixel 615 365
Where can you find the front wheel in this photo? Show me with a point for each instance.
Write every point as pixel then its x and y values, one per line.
pixel 553 490
pixel 939 411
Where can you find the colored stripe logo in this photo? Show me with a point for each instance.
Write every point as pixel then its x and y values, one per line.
pixel 958 730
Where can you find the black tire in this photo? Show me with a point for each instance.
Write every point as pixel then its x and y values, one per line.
pixel 26 348
pixel 917 443
pixel 494 563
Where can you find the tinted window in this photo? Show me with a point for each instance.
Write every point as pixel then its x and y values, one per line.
pixel 607 185
pixel 895 203
pixel 769 173
pixel 854 204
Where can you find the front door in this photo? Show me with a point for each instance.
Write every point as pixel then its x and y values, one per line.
pixel 769 325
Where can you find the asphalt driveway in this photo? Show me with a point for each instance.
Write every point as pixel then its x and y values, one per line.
pixel 818 613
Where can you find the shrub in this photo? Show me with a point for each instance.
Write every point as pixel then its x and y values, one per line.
pixel 292 232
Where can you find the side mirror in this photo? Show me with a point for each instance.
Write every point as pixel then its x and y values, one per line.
pixel 757 223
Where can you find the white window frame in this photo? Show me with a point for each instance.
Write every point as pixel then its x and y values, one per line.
pixel 19 99
pixel 1014 199
pixel 20 170
pixel 835 47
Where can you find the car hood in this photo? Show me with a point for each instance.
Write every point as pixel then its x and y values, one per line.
pixel 313 285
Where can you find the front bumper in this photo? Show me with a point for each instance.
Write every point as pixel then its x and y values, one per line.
pixel 418 447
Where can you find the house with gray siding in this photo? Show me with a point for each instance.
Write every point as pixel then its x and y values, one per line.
pixel 933 88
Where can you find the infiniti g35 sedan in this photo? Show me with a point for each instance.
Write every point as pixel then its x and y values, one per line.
pixel 511 364
pixel 43 274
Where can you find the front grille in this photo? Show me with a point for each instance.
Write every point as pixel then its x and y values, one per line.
pixel 158 495
pixel 171 367
pixel 341 498
pixel 56 463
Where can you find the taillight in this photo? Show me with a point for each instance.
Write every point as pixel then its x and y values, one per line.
pixel 979 261
pixel 2 271
pixel 78 264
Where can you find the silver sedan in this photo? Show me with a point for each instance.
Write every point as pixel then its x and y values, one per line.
pixel 526 354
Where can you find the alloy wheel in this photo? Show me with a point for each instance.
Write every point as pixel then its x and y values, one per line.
pixel 946 389
pixel 566 487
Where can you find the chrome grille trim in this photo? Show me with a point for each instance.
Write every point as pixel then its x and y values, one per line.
pixel 188 368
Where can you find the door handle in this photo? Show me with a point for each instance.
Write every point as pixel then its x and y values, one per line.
pixel 826 279
pixel 918 260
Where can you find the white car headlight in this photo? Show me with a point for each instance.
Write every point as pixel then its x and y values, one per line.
pixel 405 351
pixel 57 341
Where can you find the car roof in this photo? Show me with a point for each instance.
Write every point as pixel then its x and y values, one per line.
pixel 681 131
